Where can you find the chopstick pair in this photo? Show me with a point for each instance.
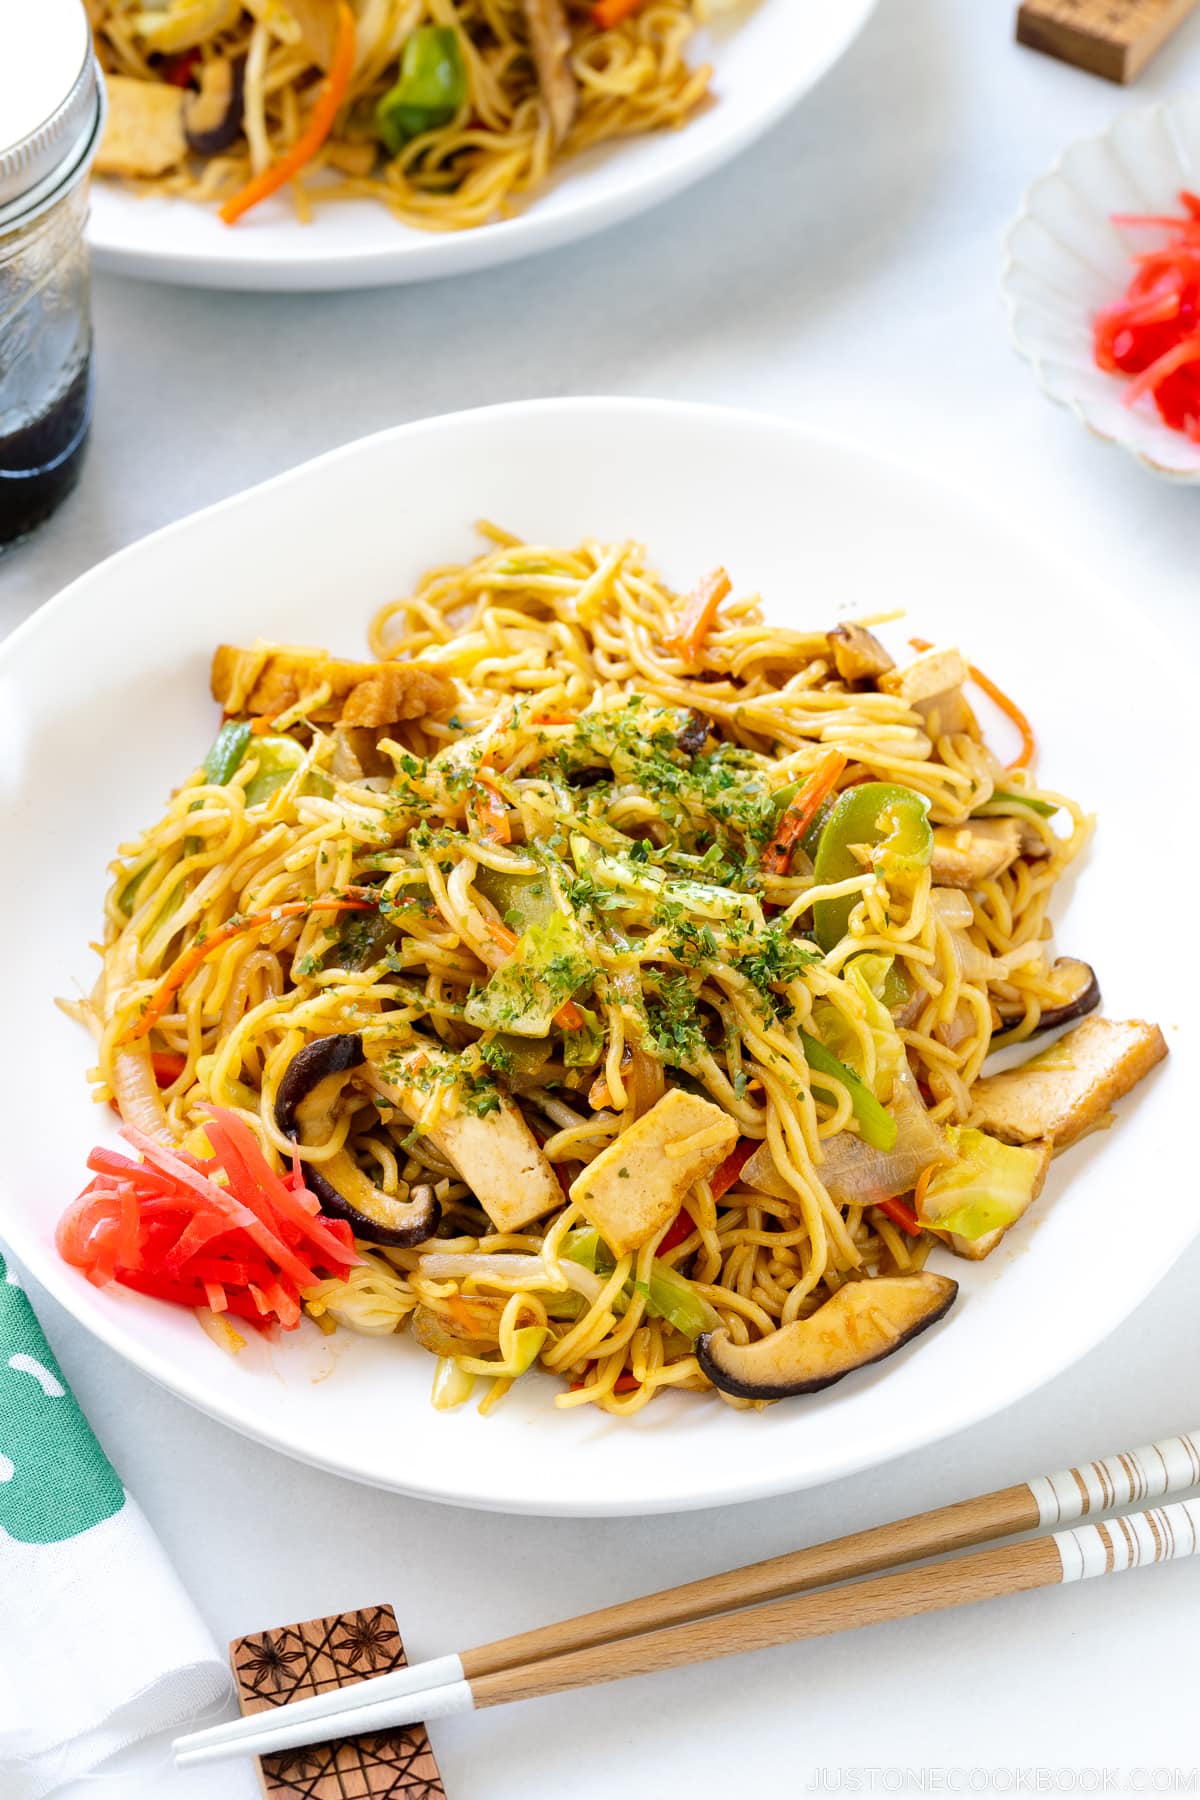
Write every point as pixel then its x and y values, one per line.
pixel 767 1603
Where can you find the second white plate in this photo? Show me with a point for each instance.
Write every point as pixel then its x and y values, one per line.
pixel 764 58
pixel 104 703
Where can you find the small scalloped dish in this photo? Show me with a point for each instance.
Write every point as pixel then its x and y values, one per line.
pixel 1065 260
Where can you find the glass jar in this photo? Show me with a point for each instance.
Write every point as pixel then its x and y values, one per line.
pixel 51 116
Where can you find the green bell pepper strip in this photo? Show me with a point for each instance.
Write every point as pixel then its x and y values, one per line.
pixel 365 941
pixel 521 900
pixel 431 89
pixel 228 749
pixel 876 1125
pixel 219 766
pixel 127 898
pixel 812 837
pixel 894 821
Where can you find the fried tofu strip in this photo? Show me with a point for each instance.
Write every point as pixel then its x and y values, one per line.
pixel 1070 1087
pixel 495 1153
pixel 272 677
pixel 636 1186
pixel 144 132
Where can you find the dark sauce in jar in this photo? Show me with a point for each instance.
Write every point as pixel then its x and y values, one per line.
pixel 40 460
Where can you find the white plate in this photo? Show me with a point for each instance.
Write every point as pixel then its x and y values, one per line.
pixel 764 60
pixel 104 701
pixel 1065 260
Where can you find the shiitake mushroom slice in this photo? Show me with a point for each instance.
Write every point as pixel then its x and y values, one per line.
pixel 861 1324
pixel 344 1190
pixel 1079 978
pixel 212 113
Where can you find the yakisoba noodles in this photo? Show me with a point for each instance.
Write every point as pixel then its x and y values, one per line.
pixel 447 111
pixel 623 968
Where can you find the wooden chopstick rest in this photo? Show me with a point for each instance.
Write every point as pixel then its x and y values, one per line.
pixel 1113 38
pixel 295 1662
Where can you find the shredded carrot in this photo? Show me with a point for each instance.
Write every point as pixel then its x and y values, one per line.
pixel 262 725
pixel 799 815
pixel 324 112
pixel 189 960
pixel 568 1015
pixel 489 811
pixel 1008 707
pixel 1012 711
pixel 697 618
pixel 503 934
pixel 901 1214
pixel 554 719
pixel 607 13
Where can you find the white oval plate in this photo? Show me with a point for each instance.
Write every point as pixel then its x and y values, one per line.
pixel 764 58
pixel 104 702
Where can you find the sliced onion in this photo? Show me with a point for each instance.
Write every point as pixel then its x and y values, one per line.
pixel 762 1173
pixel 439 1336
pixel 217 1327
pixel 955 912
pixel 511 1271
pixel 952 908
pixel 135 1090
pixel 853 1173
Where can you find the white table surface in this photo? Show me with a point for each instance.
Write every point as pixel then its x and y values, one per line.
pixel 843 273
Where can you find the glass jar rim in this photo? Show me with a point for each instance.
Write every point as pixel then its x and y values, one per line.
pixel 66 173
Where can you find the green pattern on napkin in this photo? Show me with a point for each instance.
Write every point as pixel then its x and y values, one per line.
pixel 55 1480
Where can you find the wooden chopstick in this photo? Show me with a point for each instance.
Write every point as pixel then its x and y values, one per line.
pixel 1158 1535
pixel 697 1614
pixel 1067 1556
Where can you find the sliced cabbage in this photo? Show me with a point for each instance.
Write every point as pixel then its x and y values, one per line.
pixel 585 1246
pixel 672 1297
pixel 184 23
pixel 986 1188
pixel 703 899
pixel 525 1345
pixel 373 1299
pixel 451 1385
pixel 582 1046
pixel 549 962
pixel 668 1294
pixel 868 977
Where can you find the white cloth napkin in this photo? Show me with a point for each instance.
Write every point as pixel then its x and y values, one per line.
pixel 99 1644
